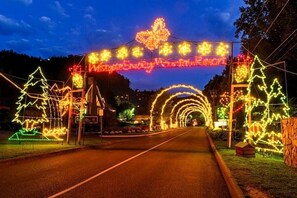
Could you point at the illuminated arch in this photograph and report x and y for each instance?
(178, 103)
(175, 87)
(171, 97)
(184, 108)
(188, 111)
(207, 113)
(185, 113)
(189, 105)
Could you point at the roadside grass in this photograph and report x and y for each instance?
(8, 151)
(260, 174)
(17, 149)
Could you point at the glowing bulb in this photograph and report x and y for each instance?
(122, 53)
(241, 73)
(222, 49)
(93, 58)
(204, 48)
(105, 55)
(165, 49)
(137, 52)
(77, 80)
(184, 48)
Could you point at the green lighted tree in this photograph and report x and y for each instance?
(32, 103)
(268, 106)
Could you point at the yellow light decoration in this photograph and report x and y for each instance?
(77, 80)
(137, 52)
(178, 94)
(241, 73)
(166, 49)
(122, 53)
(55, 132)
(204, 48)
(184, 48)
(179, 86)
(192, 106)
(105, 55)
(64, 100)
(180, 102)
(93, 58)
(37, 111)
(261, 132)
(222, 49)
(154, 37)
(225, 97)
(186, 112)
(40, 103)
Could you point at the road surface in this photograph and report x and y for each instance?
(177, 163)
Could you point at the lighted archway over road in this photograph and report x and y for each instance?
(204, 105)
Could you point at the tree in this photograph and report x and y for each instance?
(32, 103)
(126, 110)
(269, 29)
(269, 106)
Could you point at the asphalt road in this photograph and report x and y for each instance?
(173, 164)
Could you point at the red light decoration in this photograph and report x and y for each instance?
(148, 66)
(75, 69)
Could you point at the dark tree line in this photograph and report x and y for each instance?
(267, 29)
(17, 67)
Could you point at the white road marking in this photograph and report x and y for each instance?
(110, 168)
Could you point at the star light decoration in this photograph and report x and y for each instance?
(165, 49)
(93, 58)
(184, 48)
(222, 49)
(105, 55)
(154, 37)
(122, 53)
(137, 52)
(204, 48)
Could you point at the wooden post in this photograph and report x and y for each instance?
(230, 116)
(69, 117)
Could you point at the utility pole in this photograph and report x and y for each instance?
(69, 117)
(82, 104)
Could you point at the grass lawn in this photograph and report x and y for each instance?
(260, 176)
(14, 149)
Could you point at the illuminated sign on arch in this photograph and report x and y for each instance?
(152, 49)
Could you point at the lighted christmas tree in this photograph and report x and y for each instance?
(268, 107)
(32, 105)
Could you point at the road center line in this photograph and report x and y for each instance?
(114, 166)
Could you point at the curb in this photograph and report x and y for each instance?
(232, 185)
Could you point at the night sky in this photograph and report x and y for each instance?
(47, 28)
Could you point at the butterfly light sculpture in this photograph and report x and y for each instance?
(154, 37)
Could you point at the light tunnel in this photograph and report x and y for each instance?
(192, 106)
(185, 101)
(186, 112)
(198, 98)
